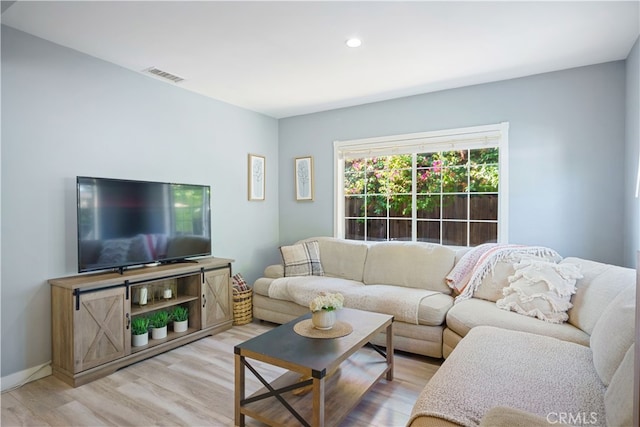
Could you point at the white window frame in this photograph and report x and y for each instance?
(494, 135)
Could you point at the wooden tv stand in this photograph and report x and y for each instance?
(91, 314)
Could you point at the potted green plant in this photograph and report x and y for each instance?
(158, 322)
(180, 317)
(139, 331)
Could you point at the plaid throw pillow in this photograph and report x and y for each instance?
(239, 283)
(302, 259)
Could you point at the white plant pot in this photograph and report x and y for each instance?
(323, 319)
(181, 326)
(159, 333)
(140, 340)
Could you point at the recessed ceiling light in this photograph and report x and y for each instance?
(354, 42)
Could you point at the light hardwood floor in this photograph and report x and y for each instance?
(193, 386)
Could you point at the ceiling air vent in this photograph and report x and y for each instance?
(164, 75)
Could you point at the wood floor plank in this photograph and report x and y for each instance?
(193, 385)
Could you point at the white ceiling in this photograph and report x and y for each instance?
(289, 58)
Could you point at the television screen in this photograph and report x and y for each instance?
(123, 223)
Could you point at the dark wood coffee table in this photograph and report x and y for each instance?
(357, 368)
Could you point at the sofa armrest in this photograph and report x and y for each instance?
(274, 271)
(502, 416)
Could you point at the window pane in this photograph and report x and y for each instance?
(377, 206)
(454, 233)
(428, 180)
(452, 158)
(454, 207)
(483, 232)
(399, 181)
(454, 179)
(484, 156)
(484, 178)
(377, 183)
(354, 176)
(377, 229)
(426, 159)
(428, 231)
(428, 206)
(399, 229)
(484, 206)
(400, 205)
(353, 183)
(353, 206)
(378, 163)
(354, 229)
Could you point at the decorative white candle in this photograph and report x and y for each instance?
(143, 296)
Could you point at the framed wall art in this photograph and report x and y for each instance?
(256, 172)
(304, 178)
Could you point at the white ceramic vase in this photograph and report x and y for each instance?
(159, 333)
(181, 326)
(323, 319)
(139, 340)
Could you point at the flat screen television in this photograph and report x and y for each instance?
(124, 223)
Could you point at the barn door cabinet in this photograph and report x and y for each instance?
(92, 314)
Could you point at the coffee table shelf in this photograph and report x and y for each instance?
(343, 391)
(338, 371)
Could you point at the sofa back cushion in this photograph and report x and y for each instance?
(614, 333)
(409, 264)
(341, 257)
(600, 284)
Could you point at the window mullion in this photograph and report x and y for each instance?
(414, 197)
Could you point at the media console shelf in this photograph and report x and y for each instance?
(92, 314)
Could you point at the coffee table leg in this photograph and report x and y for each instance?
(318, 402)
(239, 374)
(390, 351)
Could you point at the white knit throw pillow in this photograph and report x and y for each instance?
(541, 289)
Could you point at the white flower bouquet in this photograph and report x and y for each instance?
(328, 302)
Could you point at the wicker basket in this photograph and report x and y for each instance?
(242, 307)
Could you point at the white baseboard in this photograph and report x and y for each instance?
(20, 378)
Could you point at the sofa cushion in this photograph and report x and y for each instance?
(618, 400)
(473, 312)
(409, 264)
(431, 311)
(495, 366)
(342, 258)
(614, 333)
(302, 259)
(541, 289)
(598, 287)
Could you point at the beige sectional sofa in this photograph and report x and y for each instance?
(510, 369)
(502, 368)
(404, 279)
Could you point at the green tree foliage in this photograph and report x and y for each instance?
(383, 185)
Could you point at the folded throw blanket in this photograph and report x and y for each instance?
(466, 278)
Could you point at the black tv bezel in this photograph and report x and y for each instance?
(124, 266)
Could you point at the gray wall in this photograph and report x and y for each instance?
(632, 147)
(566, 151)
(67, 114)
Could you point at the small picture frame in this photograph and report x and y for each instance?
(256, 173)
(304, 178)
